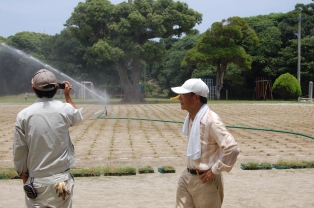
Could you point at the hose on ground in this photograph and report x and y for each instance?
(235, 127)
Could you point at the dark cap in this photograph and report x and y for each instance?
(44, 80)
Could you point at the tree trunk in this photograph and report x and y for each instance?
(131, 82)
(221, 68)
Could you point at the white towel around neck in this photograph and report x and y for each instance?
(194, 145)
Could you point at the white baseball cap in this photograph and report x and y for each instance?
(194, 85)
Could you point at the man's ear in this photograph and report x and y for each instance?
(197, 97)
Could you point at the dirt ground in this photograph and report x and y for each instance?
(150, 137)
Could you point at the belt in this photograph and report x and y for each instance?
(194, 172)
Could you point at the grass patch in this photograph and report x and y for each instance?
(256, 166)
(119, 171)
(86, 172)
(107, 171)
(8, 173)
(250, 166)
(283, 163)
(265, 164)
(298, 164)
(167, 169)
(146, 169)
(309, 164)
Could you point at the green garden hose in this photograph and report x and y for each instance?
(234, 127)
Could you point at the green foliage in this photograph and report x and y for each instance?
(119, 170)
(251, 165)
(107, 51)
(287, 86)
(108, 170)
(168, 167)
(288, 60)
(222, 45)
(103, 41)
(282, 162)
(309, 164)
(265, 164)
(148, 87)
(208, 71)
(2, 39)
(298, 163)
(29, 42)
(77, 59)
(146, 169)
(169, 73)
(64, 52)
(16, 68)
(124, 33)
(265, 54)
(8, 173)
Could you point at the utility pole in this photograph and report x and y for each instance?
(299, 50)
(130, 1)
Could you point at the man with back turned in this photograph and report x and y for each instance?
(42, 148)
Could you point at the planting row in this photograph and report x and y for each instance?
(10, 173)
(281, 164)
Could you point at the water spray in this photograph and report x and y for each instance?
(104, 111)
(58, 72)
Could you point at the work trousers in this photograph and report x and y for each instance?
(193, 193)
(46, 193)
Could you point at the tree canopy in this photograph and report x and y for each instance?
(125, 33)
(109, 45)
(169, 73)
(222, 45)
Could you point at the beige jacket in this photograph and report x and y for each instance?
(42, 146)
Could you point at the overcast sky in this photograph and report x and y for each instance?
(48, 16)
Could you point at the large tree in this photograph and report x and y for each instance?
(265, 55)
(288, 55)
(80, 61)
(29, 42)
(169, 73)
(126, 33)
(221, 45)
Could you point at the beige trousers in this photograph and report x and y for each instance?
(46, 193)
(193, 193)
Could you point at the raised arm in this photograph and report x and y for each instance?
(67, 91)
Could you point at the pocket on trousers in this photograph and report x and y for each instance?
(217, 181)
(37, 185)
(40, 188)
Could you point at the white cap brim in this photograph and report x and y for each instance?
(180, 90)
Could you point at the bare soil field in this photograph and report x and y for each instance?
(149, 138)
